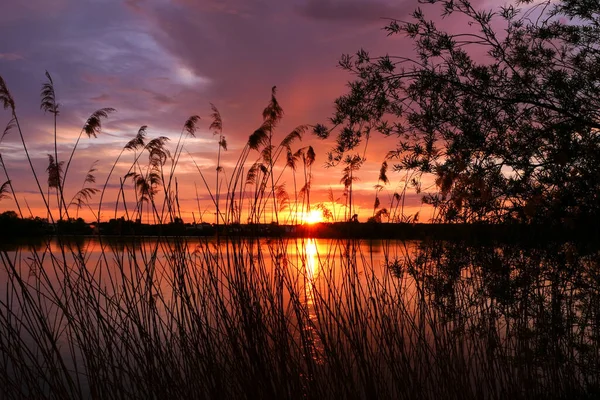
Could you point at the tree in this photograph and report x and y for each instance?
(506, 121)
(9, 215)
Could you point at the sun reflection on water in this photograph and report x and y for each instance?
(312, 258)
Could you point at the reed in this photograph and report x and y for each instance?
(246, 318)
(183, 317)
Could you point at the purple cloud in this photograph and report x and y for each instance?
(158, 62)
(354, 10)
(10, 56)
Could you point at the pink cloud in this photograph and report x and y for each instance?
(159, 62)
(11, 56)
(353, 10)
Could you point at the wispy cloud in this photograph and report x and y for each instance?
(159, 61)
(10, 56)
(365, 11)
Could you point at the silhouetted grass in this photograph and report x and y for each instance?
(253, 319)
(282, 318)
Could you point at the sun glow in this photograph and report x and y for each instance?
(314, 216)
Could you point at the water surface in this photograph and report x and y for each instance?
(299, 318)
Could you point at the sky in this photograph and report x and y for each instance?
(157, 62)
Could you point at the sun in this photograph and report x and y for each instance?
(314, 216)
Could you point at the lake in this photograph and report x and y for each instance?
(298, 318)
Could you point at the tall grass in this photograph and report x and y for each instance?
(283, 318)
(255, 319)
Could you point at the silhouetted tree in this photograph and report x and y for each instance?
(503, 115)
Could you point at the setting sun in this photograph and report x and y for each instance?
(314, 216)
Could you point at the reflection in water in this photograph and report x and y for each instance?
(306, 318)
(312, 263)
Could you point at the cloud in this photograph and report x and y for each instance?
(16, 11)
(352, 10)
(10, 56)
(158, 62)
(101, 98)
(188, 77)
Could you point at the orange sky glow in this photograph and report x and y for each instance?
(157, 63)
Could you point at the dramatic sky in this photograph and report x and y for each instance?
(158, 61)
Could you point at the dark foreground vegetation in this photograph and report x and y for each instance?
(188, 318)
(513, 148)
(501, 112)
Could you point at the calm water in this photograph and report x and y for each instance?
(299, 318)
